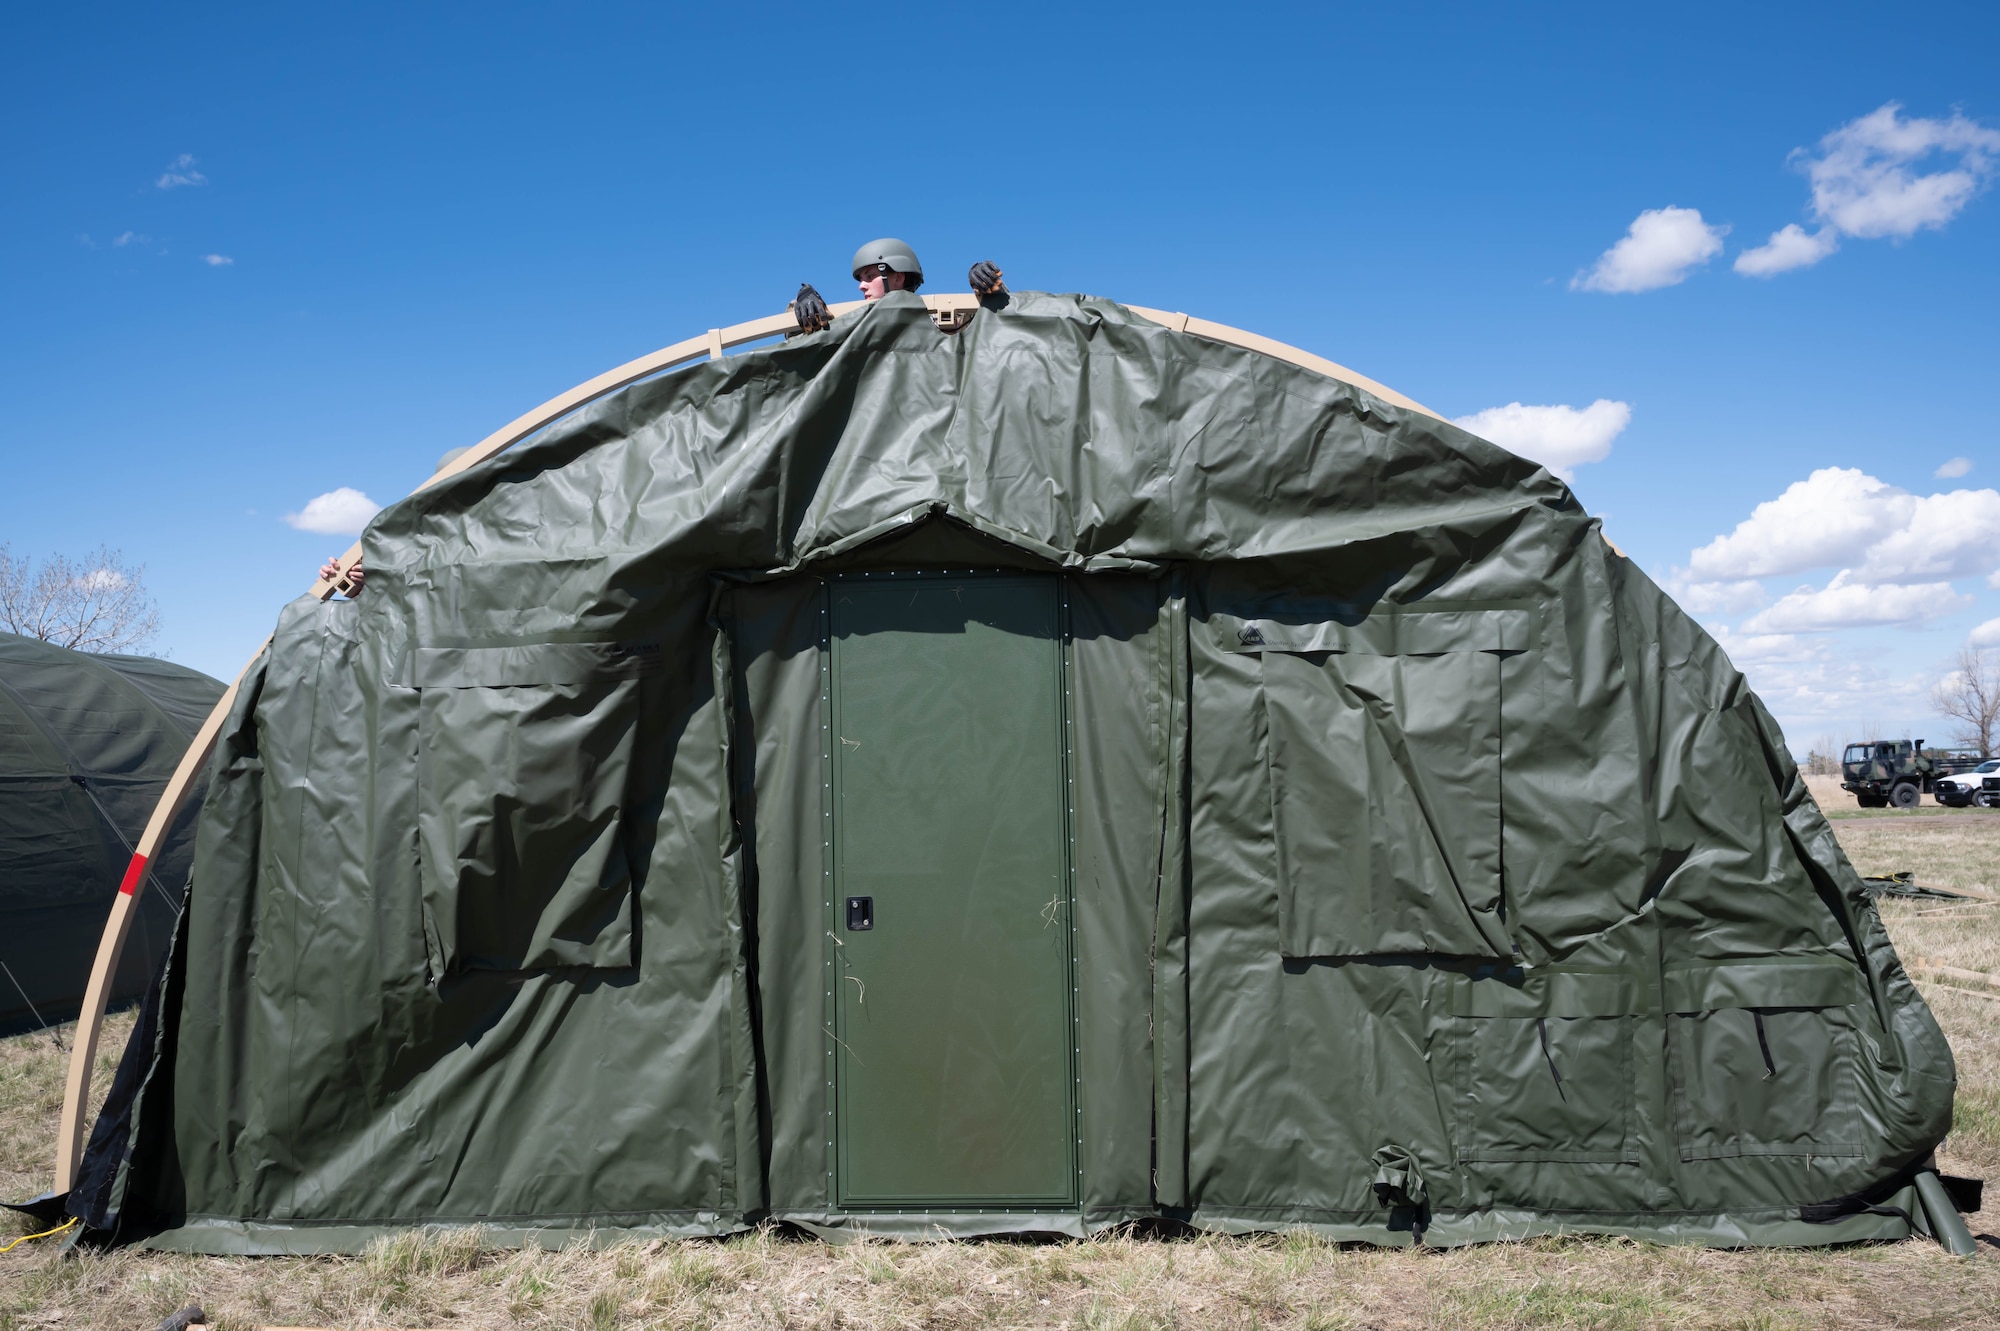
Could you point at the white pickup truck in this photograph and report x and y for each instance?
(1966, 788)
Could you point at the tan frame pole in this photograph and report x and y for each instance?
(949, 311)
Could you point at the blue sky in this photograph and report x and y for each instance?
(255, 255)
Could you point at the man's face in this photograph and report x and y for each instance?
(876, 282)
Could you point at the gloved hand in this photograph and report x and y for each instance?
(985, 277)
(811, 310)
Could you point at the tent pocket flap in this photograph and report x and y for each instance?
(524, 773)
(1764, 1056)
(1549, 992)
(1768, 982)
(1543, 1063)
(1386, 753)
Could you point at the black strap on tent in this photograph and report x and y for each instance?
(1966, 1196)
(1542, 1026)
(1764, 1044)
(1825, 1213)
(1869, 1201)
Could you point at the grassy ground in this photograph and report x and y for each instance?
(1119, 1281)
(1114, 1282)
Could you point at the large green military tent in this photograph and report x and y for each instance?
(1065, 772)
(87, 742)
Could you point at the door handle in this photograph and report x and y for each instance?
(860, 914)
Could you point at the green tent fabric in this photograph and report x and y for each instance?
(87, 742)
(1057, 774)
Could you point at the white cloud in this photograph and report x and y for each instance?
(1720, 598)
(1841, 517)
(1950, 535)
(1813, 697)
(180, 172)
(1986, 635)
(1863, 182)
(1848, 603)
(342, 512)
(1659, 250)
(1868, 181)
(1793, 247)
(1811, 685)
(1953, 469)
(1560, 438)
(130, 238)
(1823, 520)
(1754, 649)
(217, 260)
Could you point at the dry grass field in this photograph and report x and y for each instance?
(779, 1280)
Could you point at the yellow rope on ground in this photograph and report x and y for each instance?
(69, 1223)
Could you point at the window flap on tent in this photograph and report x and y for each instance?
(525, 770)
(1386, 768)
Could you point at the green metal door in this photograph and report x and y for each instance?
(954, 1068)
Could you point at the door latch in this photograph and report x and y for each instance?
(860, 913)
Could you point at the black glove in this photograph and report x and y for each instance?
(811, 310)
(985, 277)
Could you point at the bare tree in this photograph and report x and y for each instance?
(97, 604)
(1970, 695)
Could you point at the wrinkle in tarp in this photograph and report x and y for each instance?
(1433, 875)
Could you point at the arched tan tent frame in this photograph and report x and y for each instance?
(950, 312)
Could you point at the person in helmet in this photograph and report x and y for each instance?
(882, 266)
(886, 265)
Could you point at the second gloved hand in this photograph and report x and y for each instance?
(985, 277)
(811, 310)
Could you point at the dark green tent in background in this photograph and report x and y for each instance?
(1066, 772)
(87, 742)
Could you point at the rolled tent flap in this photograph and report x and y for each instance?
(1061, 772)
